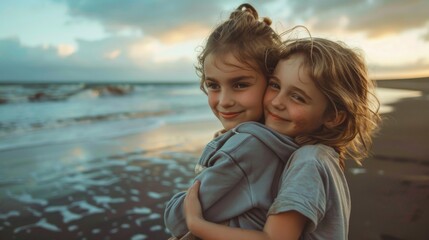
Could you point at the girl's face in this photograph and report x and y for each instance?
(293, 104)
(235, 91)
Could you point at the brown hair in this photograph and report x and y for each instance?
(341, 74)
(251, 41)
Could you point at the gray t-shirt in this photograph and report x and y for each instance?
(313, 184)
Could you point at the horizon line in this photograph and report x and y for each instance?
(146, 82)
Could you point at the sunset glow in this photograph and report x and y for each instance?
(152, 41)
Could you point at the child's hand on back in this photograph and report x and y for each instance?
(219, 133)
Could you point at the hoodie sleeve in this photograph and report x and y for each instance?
(221, 188)
(217, 181)
(174, 217)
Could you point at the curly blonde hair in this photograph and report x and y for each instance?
(248, 38)
(341, 74)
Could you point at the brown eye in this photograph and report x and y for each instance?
(211, 85)
(297, 97)
(241, 85)
(273, 84)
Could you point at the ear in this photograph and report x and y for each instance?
(335, 119)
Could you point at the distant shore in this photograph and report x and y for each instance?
(189, 82)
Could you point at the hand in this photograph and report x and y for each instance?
(192, 205)
(220, 132)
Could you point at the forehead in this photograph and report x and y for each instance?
(293, 73)
(227, 61)
(293, 67)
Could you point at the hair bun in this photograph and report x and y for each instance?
(246, 7)
(267, 21)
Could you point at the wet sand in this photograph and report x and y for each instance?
(113, 189)
(390, 193)
(117, 188)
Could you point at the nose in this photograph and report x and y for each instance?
(277, 102)
(226, 99)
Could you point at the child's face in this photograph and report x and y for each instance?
(293, 104)
(235, 91)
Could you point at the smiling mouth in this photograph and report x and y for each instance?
(229, 115)
(276, 117)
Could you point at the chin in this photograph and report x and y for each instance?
(229, 126)
(277, 128)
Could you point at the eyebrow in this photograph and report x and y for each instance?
(294, 88)
(234, 79)
(273, 77)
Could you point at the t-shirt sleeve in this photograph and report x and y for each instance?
(302, 189)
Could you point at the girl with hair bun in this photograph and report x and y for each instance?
(240, 169)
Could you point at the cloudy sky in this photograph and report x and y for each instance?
(158, 40)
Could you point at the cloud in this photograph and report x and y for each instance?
(87, 63)
(425, 36)
(18, 62)
(416, 68)
(375, 18)
(185, 32)
(65, 50)
(391, 17)
(112, 54)
(152, 17)
(156, 40)
(164, 19)
(151, 51)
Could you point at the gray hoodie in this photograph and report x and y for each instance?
(239, 173)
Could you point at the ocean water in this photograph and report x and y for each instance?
(41, 114)
(64, 175)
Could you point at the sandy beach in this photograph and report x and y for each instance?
(117, 188)
(119, 194)
(390, 192)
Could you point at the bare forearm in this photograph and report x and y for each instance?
(212, 231)
(284, 226)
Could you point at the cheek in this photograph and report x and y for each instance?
(305, 120)
(268, 97)
(299, 117)
(252, 99)
(253, 107)
(212, 100)
(260, 92)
